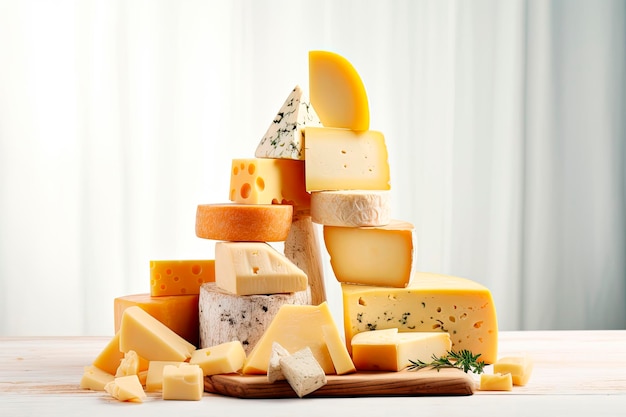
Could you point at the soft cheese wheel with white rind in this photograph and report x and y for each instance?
(337, 91)
(225, 317)
(351, 208)
(283, 138)
(244, 222)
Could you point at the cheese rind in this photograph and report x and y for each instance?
(432, 302)
(180, 277)
(519, 366)
(224, 358)
(337, 91)
(183, 382)
(340, 159)
(351, 208)
(283, 138)
(269, 181)
(303, 372)
(388, 350)
(496, 382)
(247, 268)
(381, 255)
(244, 222)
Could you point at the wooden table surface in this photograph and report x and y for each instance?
(577, 373)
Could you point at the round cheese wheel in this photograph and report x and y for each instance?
(244, 222)
(351, 208)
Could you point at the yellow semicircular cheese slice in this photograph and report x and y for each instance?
(337, 92)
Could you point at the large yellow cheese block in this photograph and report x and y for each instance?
(294, 327)
(180, 277)
(337, 91)
(178, 312)
(247, 268)
(432, 302)
(340, 159)
(381, 255)
(244, 222)
(269, 181)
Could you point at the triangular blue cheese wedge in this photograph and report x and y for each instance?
(283, 138)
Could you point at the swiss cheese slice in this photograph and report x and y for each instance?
(284, 137)
(247, 268)
(432, 302)
(337, 91)
(341, 159)
(351, 208)
(180, 277)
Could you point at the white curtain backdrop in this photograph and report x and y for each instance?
(504, 120)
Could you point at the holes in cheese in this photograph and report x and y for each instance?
(341, 159)
(381, 255)
(416, 309)
(337, 91)
(247, 268)
(351, 208)
(268, 181)
(283, 138)
(182, 277)
(244, 222)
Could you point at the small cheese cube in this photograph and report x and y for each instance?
(129, 364)
(519, 366)
(303, 372)
(126, 388)
(496, 382)
(224, 358)
(95, 378)
(154, 378)
(184, 382)
(274, 373)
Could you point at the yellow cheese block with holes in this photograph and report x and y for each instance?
(294, 327)
(519, 366)
(180, 277)
(381, 255)
(183, 382)
(337, 91)
(388, 350)
(224, 358)
(431, 302)
(269, 181)
(340, 159)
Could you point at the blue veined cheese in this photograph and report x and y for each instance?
(284, 137)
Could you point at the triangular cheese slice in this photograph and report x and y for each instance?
(126, 388)
(284, 137)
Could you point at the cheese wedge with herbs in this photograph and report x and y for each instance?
(284, 137)
(432, 302)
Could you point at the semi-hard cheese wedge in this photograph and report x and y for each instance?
(337, 348)
(337, 91)
(126, 388)
(247, 268)
(432, 302)
(341, 159)
(111, 356)
(294, 327)
(283, 138)
(496, 382)
(177, 312)
(351, 208)
(224, 358)
(388, 350)
(180, 277)
(269, 181)
(150, 338)
(95, 378)
(225, 316)
(183, 382)
(244, 222)
(381, 255)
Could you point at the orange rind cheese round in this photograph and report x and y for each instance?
(244, 222)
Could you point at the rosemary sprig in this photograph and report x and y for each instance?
(464, 360)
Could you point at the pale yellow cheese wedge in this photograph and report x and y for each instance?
(184, 382)
(224, 358)
(126, 388)
(337, 348)
(110, 357)
(154, 377)
(496, 382)
(519, 366)
(95, 378)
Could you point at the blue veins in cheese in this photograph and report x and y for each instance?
(284, 137)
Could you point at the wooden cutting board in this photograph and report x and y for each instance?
(360, 384)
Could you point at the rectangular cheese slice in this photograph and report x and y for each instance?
(247, 268)
(432, 302)
(342, 159)
(380, 255)
(180, 277)
(388, 350)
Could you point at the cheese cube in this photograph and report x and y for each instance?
(340, 159)
(154, 378)
(351, 208)
(126, 388)
(496, 382)
(224, 358)
(381, 256)
(519, 366)
(432, 302)
(184, 382)
(246, 268)
(274, 372)
(303, 372)
(388, 350)
(181, 277)
(95, 378)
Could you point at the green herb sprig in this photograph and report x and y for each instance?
(464, 360)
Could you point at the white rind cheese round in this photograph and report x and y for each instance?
(225, 317)
(351, 208)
